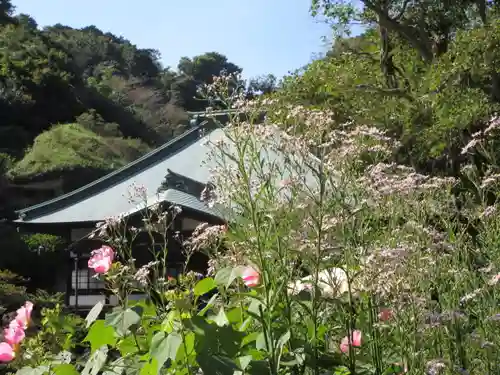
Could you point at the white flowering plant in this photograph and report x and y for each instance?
(337, 260)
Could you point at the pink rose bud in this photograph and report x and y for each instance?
(14, 334)
(102, 259)
(250, 277)
(385, 314)
(7, 352)
(24, 315)
(355, 341)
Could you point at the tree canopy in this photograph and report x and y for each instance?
(423, 70)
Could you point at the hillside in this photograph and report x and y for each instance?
(68, 146)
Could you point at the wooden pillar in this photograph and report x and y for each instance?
(69, 277)
(177, 227)
(75, 257)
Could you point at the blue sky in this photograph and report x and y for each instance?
(261, 36)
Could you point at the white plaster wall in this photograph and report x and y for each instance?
(92, 299)
(86, 301)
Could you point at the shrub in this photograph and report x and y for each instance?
(337, 261)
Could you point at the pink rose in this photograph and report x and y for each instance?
(385, 314)
(7, 352)
(250, 277)
(24, 315)
(355, 341)
(14, 334)
(101, 259)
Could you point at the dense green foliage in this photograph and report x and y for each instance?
(425, 71)
(71, 145)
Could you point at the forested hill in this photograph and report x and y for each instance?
(72, 98)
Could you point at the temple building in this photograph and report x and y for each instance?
(172, 173)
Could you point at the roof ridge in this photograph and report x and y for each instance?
(114, 177)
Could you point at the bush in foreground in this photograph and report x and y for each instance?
(337, 261)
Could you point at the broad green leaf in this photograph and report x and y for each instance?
(94, 313)
(209, 305)
(235, 315)
(261, 343)
(258, 368)
(65, 369)
(199, 326)
(244, 361)
(249, 338)
(243, 326)
(220, 319)
(227, 275)
(187, 347)
(128, 345)
(223, 275)
(204, 286)
(254, 307)
(96, 361)
(164, 347)
(100, 334)
(216, 364)
(284, 339)
(150, 368)
(122, 320)
(171, 322)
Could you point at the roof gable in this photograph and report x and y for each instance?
(107, 196)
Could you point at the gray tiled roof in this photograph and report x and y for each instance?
(182, 199)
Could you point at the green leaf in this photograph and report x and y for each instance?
(249, 338)
(128, 345)
(122, 320)
(96, 361)
(220, 319)
(261, 343)
(150, 368)
(94, 313)
(227, 275)
(209, 305)
(284, 339)
(244, 361)
(258, 368)
(223, 276)
(235, 315)
(187, 347)
(164, 347)
(204, 286)
(99, 335)
(215, 364)
(254, 308)
(65, 369)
